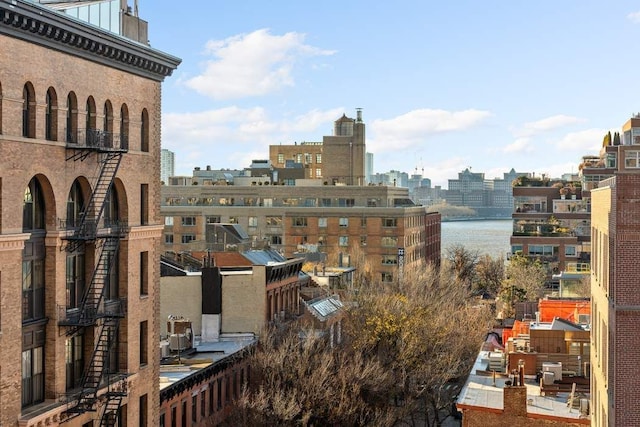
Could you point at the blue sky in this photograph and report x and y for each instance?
(443, 85)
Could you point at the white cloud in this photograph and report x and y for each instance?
(520, 145)
(232, 137)
(252, 64)
(587, 141)
(414, 127)
(634, 17)
(546, 124)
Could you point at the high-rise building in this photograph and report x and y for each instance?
(615, 279)
(79, 140)
(368, 167)
(167, 165)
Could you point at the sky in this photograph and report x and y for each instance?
(443, 85)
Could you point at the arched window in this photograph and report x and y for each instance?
(28, 111)
(90, 122)
(33, 208)
(51, 116)
(111, 208)
(75, 205)
(144, 131)
(72, 118)
(124, 126)
(107, 125)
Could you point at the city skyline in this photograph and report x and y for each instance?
(443, 86)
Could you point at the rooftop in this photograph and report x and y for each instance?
(482, 392)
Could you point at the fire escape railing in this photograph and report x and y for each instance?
(95, 310)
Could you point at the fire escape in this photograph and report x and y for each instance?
(95, 311)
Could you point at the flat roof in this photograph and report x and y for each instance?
(479, 391)
(206, 354)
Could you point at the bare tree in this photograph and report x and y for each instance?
(462, 262)
(489, 275)
(524, 281)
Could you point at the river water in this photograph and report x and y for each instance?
(484, 236)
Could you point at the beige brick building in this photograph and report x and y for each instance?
(338, 159)
(615, 280)
(379, 222)
(80, 222)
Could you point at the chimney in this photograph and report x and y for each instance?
(515, 400)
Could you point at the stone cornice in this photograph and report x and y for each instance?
(54, 30)
(13, 242)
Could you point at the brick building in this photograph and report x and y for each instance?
(615, 272)
(80, 222)
(338, 159)
(381, 222)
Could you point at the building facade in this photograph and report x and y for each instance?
(615, 222)
(338, 159)
(80, 221)
(378, 222)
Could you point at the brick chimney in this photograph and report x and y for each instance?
(515, 400)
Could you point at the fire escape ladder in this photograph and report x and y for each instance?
(90, 217)
(111, 411)
(94, 371)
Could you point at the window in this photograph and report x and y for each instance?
(112, 208)
(233, 220)
(144, 273)
(203, 401)
(32, 376)
(363, 240)
(372, 203)
(112, 279)
(363, 221)
(343, 240)
(144, 204)
(75, 205)
(215, 219)
(168, 220)
(253, 221)
(322, 222)
(570, 251)
(274, 221)
(344, 222)
(390, 222)
(211, 407)
(219, 390)
(168, 239)
(107, 124)
(390, 259)
(33, 208)
(72, 118)
(184, 413)
(162, 422)
(298, 158)
(144, 131)
(632, 159)
(51, 115)
(75, 280)
(90, 123)
(280, 158)
(300, 221)
(386, 277)
(188, 221)
(124, 126)
(346, 202)
(194, 408)
(389, 241)
(28, 111)
(143, 342)
(188, 238)
(308, 158)
(275, 240)
(74, 361)
(174, 416)
(319, 158)
(33, 280)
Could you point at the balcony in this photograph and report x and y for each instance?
(98, 139)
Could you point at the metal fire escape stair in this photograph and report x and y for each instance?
(94, 310)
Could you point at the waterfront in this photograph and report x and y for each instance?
(484, 236)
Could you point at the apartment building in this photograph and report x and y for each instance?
(615, 273)
(551, 223)
(80, 223)
(380, 222)
(337, 159)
